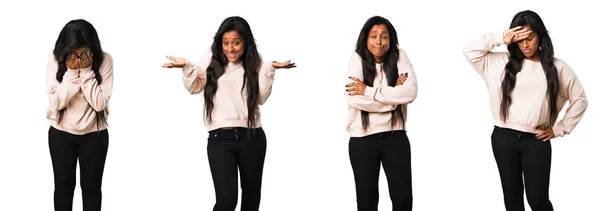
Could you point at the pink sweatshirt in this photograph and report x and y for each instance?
(529, 107)
(379, 100)
(230, 109)
(80, 95)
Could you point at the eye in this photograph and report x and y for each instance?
(236, 43)
(373, 37)
(225, 43)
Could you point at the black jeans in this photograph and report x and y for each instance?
(392, 149)
(229, 150)
(65, 149)
(519, 156)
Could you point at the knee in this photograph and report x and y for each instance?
(226, 201)
(64, 183)
(367, 193)
(90, 187)
(539, 203)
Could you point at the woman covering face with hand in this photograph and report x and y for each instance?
(380, 84)
(527, 88)
(79, 82)
(234, 80)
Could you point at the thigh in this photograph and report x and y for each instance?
(252, 158)
(223, 161)
(536, 161)
(93, 148)
(64, 156)
(365, 159)
(396, 160)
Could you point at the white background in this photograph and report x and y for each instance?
(157, 155)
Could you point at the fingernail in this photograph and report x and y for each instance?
(348, 93)
(346, 86)
(349, 76)
(346, 89)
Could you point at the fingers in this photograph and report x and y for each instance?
(356, 92)
(402, 81)
(168, 65)
(86, 60)
(353, 84)
(77, 63)
(542, 136)
(522, 35)
(546, 134)
(355, 88)
(171, 58)
(516, 28)
(286, 64)
(355, 79)
(176, 62)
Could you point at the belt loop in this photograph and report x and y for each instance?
(237, 138)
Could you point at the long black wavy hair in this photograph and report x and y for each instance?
(77, 34)
(250, 61)
(390, 63)
(546, 53)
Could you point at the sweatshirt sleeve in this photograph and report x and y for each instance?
(194, 74)
(479, 56)
(61, 93)
(97, 95)
(266, 76)
(571, 89)
(366, 102)
(403, 94)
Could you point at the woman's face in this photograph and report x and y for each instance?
(378, 42)
(530, 45)
(233, 46)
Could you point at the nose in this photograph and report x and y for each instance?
(378, 40)
(526, 43)
(229, 47)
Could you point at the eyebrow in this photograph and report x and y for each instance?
(386, 32)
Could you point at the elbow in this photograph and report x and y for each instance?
(58, 107)
(412, 97)
(56, 104)
(261, 100)
(192, 90)
(99, 107)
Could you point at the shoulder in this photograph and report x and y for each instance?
(563, 69)
(355, 58)
(559, 63)
(402, 55)
(107, 58)
(51, 57)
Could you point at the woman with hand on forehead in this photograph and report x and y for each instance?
(527, 88)
(380, 84)
(79, 80)
(235, 81)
